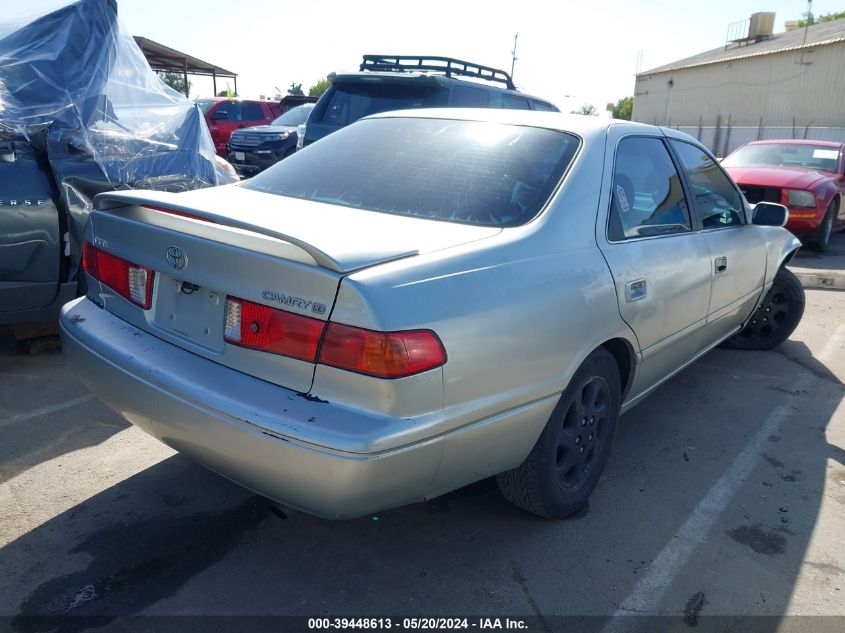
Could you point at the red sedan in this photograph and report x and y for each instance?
(806, 176)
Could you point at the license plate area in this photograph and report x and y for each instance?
(240, 156)
(190, 311)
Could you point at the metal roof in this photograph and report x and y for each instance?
(161, 57)
(817, 35)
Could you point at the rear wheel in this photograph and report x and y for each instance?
(821, 237)
(776, 318)
(565, 464)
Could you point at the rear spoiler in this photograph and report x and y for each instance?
(163, 201)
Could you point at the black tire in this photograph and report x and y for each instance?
(565, 464)
(776, 318)
(821, 236)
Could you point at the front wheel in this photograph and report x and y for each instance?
(565, 464)
(821, 237)
(776, 318)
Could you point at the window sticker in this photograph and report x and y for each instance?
(622, 198)
(826, 153)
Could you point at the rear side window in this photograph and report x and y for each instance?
(349, 102)
(716, 201)
(647, 197)
(460, 171)
(232, 110)
(543, 106)
(251, 111)
(470, 97)
(514, 103)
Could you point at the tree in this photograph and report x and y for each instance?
(318, 88)
(296, 90)
(587, 109)
(623, 108)
(228, 92)
(810, 19)
(175, 81)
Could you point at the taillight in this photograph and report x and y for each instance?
(271, 330)
(129, 280)
(381, 354)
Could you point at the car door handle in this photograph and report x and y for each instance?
(635, 290)
(721, 264)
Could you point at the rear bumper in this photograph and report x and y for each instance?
(229, 421)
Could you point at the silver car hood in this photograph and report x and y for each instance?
(339, 238)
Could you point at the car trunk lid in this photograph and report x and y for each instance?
(205, 246)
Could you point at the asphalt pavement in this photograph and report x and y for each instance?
(724, 495)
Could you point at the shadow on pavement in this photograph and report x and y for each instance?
(176, 539)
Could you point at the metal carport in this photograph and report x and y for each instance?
(164, 58)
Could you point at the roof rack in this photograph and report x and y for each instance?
(446, 65)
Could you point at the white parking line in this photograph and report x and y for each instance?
(67, 404)
(652, 585)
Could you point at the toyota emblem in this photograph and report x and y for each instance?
(177, 258)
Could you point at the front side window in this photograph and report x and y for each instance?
(716, 200)
(647, 197)
(469, 172)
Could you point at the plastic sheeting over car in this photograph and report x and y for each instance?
(80, 104)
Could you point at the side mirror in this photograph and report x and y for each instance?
(770, 214)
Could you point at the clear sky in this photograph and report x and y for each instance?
(568, 52)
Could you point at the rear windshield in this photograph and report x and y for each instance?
(460, 171)
(351, 101)
(821, 157)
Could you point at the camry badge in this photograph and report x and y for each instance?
(177, 258)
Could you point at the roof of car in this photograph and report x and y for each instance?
(581, 125)
(410, 75)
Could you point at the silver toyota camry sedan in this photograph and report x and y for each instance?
(425, 299)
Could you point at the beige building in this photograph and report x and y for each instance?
(785, 85)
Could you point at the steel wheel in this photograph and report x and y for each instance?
(565, 464)
(582, 433)
(769, 317)
(776, 318)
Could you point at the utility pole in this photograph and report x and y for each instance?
(807, 20)
(513, 54)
